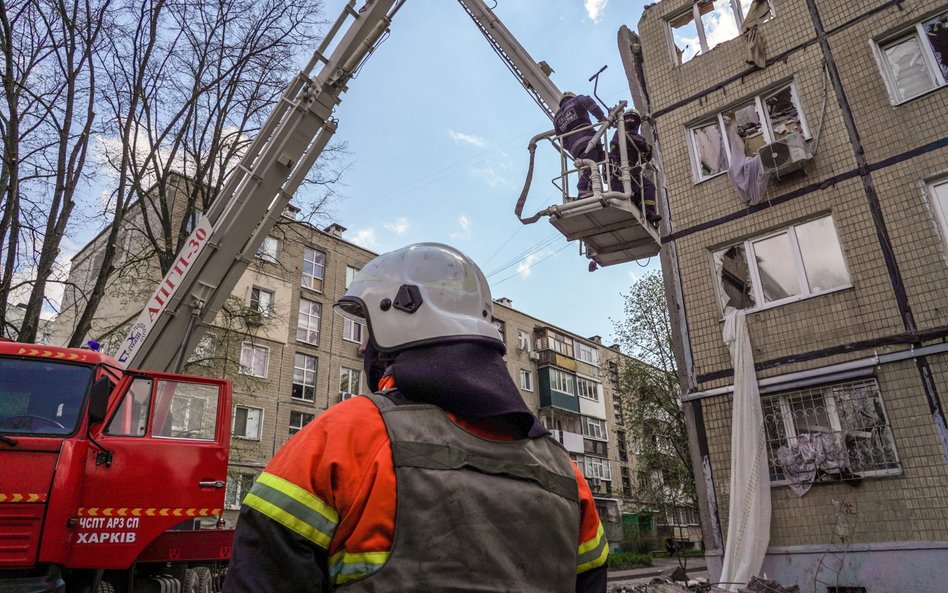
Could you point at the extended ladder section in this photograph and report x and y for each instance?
(535, 77)
(254, 197)
(611, 222)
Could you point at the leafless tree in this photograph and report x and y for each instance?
(187, 84)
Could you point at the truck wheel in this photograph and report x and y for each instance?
(104, 587)
(197, 580)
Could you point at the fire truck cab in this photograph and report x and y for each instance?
(82, 439)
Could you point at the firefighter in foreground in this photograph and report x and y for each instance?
(443, 480)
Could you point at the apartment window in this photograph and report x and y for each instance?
(304, 377)
(268, 249)
(247, 422)
(613, 368)
(587, 353)
(350, 381)
(254, 360)
(798, 262)
(597, 468)
(830, 431)
(298, 420)
(193, 410)
(758, 121)
(526, 380)
(562, 382)
(314, 269)
(238, 485)
(588, 389)
(559, 343)
(261, 301)
(916, 61)
(594, 428)
(708, 23)
(352, 330)
(350, 275)
(523, 341)
(307, 326)
(939, 193)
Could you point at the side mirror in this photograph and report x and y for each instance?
(99, 400)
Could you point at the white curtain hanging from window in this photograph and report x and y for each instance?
(748, 531)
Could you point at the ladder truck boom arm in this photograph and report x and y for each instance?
(259, 189)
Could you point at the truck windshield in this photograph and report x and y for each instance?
(41, 397)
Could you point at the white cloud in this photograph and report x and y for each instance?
(366, 238)
(525, 267)
(399, 226)
(468, 138)
(594, 9)
(465, 233)
(495, 170)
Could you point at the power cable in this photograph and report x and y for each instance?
(530, 267)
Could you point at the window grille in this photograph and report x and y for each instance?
(830, 432)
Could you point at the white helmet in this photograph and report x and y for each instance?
(421, 294)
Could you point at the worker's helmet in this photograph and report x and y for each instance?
(567, 95)
(421, 294)
(633, 115)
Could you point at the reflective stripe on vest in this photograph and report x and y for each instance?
(294, 508)
(345, 567)
(503, 515)
(593, 553)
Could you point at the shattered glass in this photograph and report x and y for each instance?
(685, 34)
(936, 30)
(907, 65)
(718, 21)
(712, 159)
(783, 114)
(822, 256)
(736, 280)
(749, 127)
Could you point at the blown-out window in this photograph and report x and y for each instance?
(757, 121)
(797, 262)
(707, 23)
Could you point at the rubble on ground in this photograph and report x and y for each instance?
(676, 581)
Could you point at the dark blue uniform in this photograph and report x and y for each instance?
(638, 151)
(574, 114)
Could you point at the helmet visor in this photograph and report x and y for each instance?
(351, 308)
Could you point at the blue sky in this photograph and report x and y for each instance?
(437, 130)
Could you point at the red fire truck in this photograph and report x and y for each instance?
(103, 469)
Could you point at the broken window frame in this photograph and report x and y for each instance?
(916, 32)
(737, 10)
(757, 293)
(834, 397)
(938, 190)
(759, 102)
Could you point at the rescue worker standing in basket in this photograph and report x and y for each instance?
(573, 114)
(442, 481)
(639, 152)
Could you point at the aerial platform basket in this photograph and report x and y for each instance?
(609, 223)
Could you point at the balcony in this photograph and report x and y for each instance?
(571, 440)
(593, 447)
(548, 357)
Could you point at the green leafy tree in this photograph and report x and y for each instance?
(649, 395)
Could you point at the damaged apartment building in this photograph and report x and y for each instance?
(803, 151)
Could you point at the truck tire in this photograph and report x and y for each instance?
(197, 580)
(104, 587)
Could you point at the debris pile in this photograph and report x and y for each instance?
(672, 582)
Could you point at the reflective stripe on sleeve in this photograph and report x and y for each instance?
(593, 553)
(294, 508)
(345, 566)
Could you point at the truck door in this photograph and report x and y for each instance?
(164, 464)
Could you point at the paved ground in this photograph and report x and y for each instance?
(696, 568)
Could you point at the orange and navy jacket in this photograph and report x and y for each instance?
(323, 511)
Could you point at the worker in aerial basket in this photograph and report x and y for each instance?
(442, 480)
(572, 118)
(638, 152)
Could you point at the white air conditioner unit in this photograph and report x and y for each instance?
(344, 395)
(534, 356)
(784, 156)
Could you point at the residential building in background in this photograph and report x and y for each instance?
(841, 264)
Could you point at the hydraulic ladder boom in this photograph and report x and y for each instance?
(257, 192)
